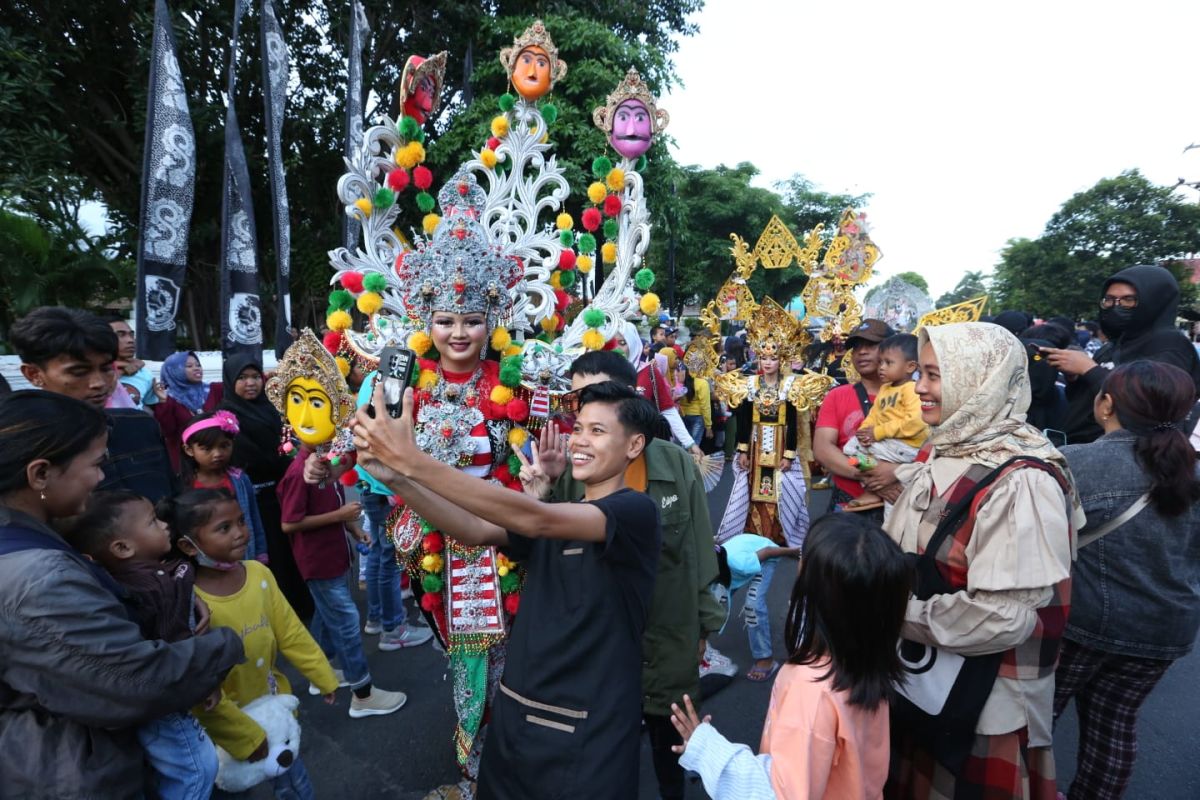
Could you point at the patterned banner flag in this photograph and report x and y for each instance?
(354, 110)
(241, 322)
(275, 79)
(168, 188)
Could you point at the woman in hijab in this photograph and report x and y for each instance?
(182, 394)
(995, 584)
(256, 450)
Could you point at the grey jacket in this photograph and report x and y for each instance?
(1135, 592)
(76, 677)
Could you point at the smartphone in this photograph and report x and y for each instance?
(396, 365)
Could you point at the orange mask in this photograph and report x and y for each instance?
(531, 73)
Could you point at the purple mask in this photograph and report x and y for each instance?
(632, 129)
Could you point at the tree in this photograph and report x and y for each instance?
(1117, 223)
(970, 286)
(914, 279)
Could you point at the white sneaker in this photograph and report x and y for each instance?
(341, 679)
(378, 702)
(404, 636)
(372, 628)
(716, 663)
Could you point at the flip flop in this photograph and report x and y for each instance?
(760, 675)
(852, 507)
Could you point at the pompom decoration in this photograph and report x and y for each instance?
(587, 242)
(363, 205)
(566, 238)
(369, 302)
(502, 473)
(500, 127)
(593, 318)
(512, 603)
(509, 584)
(517, 438)
(641, 164)
(514, 466)
(419, 137)
(433, 543)
(609, 253)
(422, 178)
(566, 260)
(518, 410)
(506, 102)
(510, 371)
(341, 300)
(348, 478)
(649, 304)
(432, 562)
(550, 113)
(343, 365)
(351, 281)
(512, 350)
(425, 202)
(375, 282)
(561, 300)
(584, 264)
(601, 166)
(432, 584)
(564, 222)
(427, 380)
(593, 340)
(339, 321)
(429, 223)
(566, 279)
(410, 155)
(615, 179)
(493, 143)
(385, 197)
(500, 395)
(487, 157)
(643, 279)
(591, 219)
(555, 281)
(397, 180)
(611, 229)
(420, 342)
(612, 205)
(550, 324)
(409, 127)
(596, 192)
(501, 339)
(332, 341)
(431, 601)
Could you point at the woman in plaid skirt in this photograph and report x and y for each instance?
(1005, 565)
(1136, 603)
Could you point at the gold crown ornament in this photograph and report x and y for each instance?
(772, 331)
(631, 88)
(535, 35)
(308, 358)
(700, 356)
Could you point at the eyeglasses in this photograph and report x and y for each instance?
(1127, 301)
(568, 403)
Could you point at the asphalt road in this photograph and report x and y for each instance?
(403, 756)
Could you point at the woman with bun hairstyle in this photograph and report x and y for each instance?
(1136, 601)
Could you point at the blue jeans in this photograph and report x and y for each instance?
(335, 626)
(758, 616)
(384, 601)
(183, 757)
(695, 427)
(291, 785)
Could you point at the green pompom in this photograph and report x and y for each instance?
(545, 336)
(409, 127)
(419, 136)
(374, 282)
(550, 113)
(601, 166)
(341, 300)
(432, 584)
(330, 310)
(506, 102)
(593, 318)
(510, 583)
(611, 229)
(640, 165)
(644, 279)
(426, 527)
(514, 464)
(384, 198)
(425, 202)
(566, 238)
(587, 243)
(566, 278)
(510, 377)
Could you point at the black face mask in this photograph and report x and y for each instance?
(1115, 321)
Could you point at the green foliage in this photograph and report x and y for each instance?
(970, 286)
(1117, 223)
(914, 279)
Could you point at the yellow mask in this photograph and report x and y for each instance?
(310, 412)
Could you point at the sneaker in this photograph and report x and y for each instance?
(716, 663)
(378, 702)
(404, 636)
(373, 627)
(341, 679)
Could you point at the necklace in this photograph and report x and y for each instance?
(446, 418)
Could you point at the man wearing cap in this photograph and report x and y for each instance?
(844, 410)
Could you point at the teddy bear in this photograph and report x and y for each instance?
(275, 714)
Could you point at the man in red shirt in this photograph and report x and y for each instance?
(844, 410)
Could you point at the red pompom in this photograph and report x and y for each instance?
(518, 410)
(352, 281)
(591, 219)
(561, 299)
(332, 341)
(493, 143)
(512, 603)
(502, 473)
(397, 180)
(612, 205)
(611, 344)
(432, 543)
(349, 478)
(566, 260)
(422, 177)
(515, 485)
(431, 601)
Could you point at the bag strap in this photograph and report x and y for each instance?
(864, 400)
(1115, 522)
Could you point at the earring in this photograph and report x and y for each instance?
(43, 494)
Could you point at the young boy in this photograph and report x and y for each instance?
(894, 430)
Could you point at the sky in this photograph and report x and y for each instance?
(969, 123)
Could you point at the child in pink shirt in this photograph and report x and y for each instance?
(826, 732)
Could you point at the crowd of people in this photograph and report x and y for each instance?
(1013, 499)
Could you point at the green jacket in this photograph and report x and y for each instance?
(683, 609)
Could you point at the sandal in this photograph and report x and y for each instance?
(855, 505)
(760, 674)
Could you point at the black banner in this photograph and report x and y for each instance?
(275, 79)
(354, 110)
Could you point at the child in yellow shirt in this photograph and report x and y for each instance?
(894, 430)
(207, 525)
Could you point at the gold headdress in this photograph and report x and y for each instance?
(308, 358)
(535, 35)
(700, 357)
(772, 331)
(632, 88)
(418, 67)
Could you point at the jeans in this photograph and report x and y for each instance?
(695, 427)
(384, 602)
(335, 626)
(291, 785)
(758, 616)
(183, 757)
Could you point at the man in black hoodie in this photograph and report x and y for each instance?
(1137, 313)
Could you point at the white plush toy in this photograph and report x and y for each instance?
(275, 713)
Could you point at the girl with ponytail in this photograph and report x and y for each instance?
(1136, 594)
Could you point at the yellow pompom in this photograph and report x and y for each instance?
(420, 343)
(369, 302)
(584, 264)
(427, 379)
(500, 127)
(593, 339)
(500, 395)
(616, 179)
(597, 193)
(429, 223)
(545, 138)
(517, 437)
(564, 222)
(410, 155)
(556, 279)
(487, 156)
(649, 304)
(609, 253)
(501, 570)
(339, 321)
(501, 339)
(550, 323)
(432, 562)
(511, 350)
(343, 365)
(364, 205)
